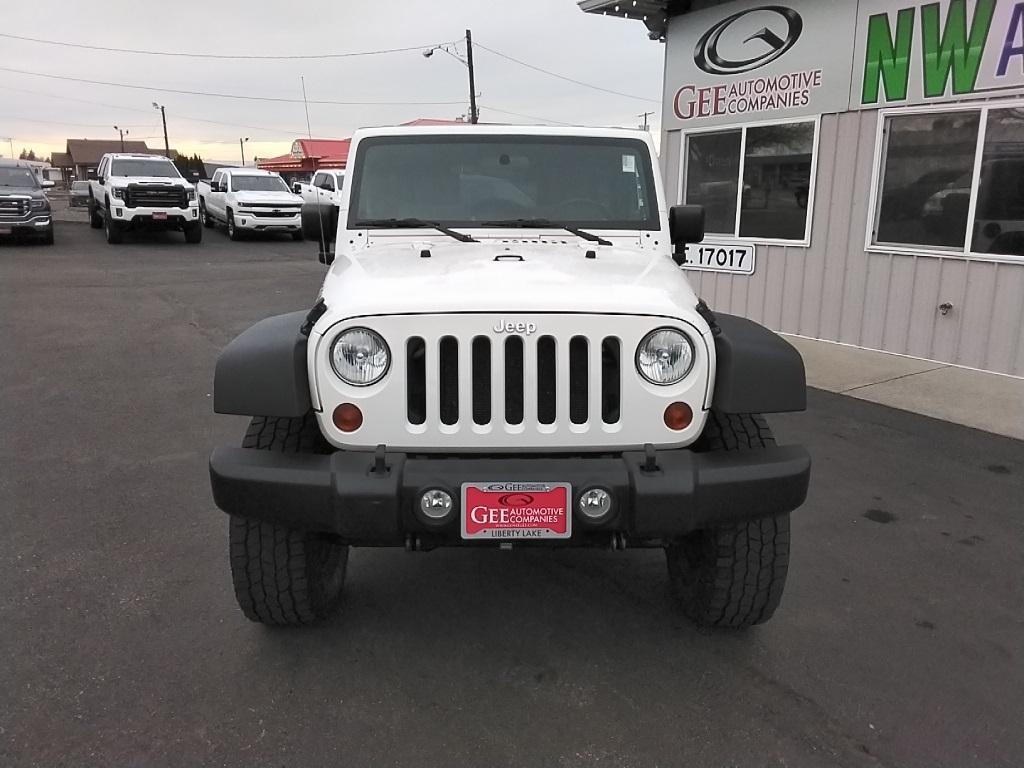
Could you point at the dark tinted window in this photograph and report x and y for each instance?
(469, 180)
(712, 172)
(17, 177)
(925, 181)
(140, 167)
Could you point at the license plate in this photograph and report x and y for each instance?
(159, 216)
(6, 230)
(516, 511)
(735, 258)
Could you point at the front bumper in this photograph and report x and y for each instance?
(143, 217)
(369, 500)
(255, 222)
(34, 224)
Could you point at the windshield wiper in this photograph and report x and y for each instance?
(462, 237)
(540, 223)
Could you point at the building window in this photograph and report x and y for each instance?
(776, 164)
(952, 181)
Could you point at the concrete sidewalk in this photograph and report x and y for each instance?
(988, 401)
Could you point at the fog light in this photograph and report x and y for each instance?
(678, 416)
(347, 417)
(595, 503)
(436, 505)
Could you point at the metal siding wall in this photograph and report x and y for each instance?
(836, 291)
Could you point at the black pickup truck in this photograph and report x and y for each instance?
(24, 207)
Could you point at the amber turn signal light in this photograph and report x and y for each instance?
(347, 417)
(678, 416)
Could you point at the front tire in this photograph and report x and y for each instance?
(285, 576)
(193, 233)
(95, 220)
(297, 236)
(234, 233)
(47, 238)
(207, 219)
(111, 229)
(732, 575)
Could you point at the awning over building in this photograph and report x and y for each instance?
(653, 13)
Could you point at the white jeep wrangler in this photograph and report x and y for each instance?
(505, 353)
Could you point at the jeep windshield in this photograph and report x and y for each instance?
(467, 180)
(17, 177)
(160, 168)
(258, 184)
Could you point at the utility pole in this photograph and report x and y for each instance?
(644, 116)
(241, 146)
(122, 132)
(163, 116)
(473, 115)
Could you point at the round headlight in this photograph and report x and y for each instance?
(664, 356)
(360, 357)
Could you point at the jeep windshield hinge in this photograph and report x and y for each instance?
(380, 464)
(314, 314)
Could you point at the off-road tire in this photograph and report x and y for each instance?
(205, 216)
(111, 229)
(193, 233)
(95, 220)
(47, 239)
(285, 576)
(732, 575)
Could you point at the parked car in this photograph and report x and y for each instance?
(250, 200)
(325, 187)
(518, 360)
(24, 207)
(137, 191)
(79, 196)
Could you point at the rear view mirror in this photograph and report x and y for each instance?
(686, 224)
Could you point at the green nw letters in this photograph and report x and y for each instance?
(950, 53)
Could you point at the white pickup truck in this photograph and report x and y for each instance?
(324, 187)
(137, 191)
(250, 200)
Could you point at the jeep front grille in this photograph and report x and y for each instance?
(516, 378)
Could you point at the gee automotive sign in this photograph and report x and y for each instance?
(912, 53)
(748, 61)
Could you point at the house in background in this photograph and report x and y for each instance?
(83, 155)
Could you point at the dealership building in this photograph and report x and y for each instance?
(861, 163)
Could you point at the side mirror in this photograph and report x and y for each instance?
(47, 184)
(100, 181)
(297, 188)
(686, 224)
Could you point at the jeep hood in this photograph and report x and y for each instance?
(502, 276)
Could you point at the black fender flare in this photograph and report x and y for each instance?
(262, 372)
(757, 371)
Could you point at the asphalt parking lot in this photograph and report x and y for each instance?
(898, 643)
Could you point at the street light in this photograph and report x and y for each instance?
(241, 146)
(122, 132)
(163, 116)
(468, 61)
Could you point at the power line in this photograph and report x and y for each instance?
(246, 56)
(563, 77)
(527, 117)
(232, 95)
(63, 122)
(177, 116)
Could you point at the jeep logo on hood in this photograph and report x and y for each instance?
(756, 37)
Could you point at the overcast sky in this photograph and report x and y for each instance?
(551, 34)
